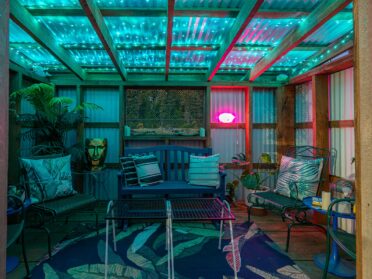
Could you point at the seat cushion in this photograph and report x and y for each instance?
(170, 187)
(65, 204)
(277, 200)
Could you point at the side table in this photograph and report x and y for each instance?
(95, 180)
(337, 266)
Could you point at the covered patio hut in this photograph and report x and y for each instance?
(245, 79)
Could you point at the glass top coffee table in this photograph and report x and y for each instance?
(169, 210)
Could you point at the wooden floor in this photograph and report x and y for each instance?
(305, 242)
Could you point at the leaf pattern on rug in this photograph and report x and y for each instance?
(262, 273)
(97, 271)
(229, 256)
(292, 271)
(180, 248)
(114, 258)
(142, 237)
(140, 261)
(252, 231)
(49, 272)
(130, 230)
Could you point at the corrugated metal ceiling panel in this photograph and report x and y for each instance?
(293, 57)
(330, 31)
(307, 5)
(70, 29)
(209, 3)
(192, 58)
(200, 30)
(243, 58)
(262, 31)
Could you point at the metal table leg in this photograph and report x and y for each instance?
(232, 241)
(107, 236)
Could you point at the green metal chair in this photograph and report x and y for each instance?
(341, 238)
(49, 210)
(292, 209)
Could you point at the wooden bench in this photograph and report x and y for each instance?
(173, 162)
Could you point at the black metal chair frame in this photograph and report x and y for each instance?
(44, 210)
(293, 209)
(331, 235)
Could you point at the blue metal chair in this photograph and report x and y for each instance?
(341, 238)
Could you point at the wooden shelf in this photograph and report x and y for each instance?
(143, 138)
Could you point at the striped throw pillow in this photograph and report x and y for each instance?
(204, 170)
(148, 170)
(130, 172)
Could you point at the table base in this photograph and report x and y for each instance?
(11, 263)
(341, 267)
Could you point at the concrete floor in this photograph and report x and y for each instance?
(305, 241)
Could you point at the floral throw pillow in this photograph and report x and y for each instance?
(48, 178)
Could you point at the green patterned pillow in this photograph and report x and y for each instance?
(49, 178)
(307, 174)
(284, 177)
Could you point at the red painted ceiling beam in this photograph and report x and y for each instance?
(244, 17)
(313, 22)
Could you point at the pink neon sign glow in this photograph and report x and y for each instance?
(226, 117)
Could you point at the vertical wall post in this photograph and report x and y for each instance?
(207, 106)
(122, 115)
(248, 94)
(320, 116)
(15, 83)
(4, 106)
(285, 104)
(363, 135)
(79, 182)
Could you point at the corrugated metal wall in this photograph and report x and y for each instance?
(341, 98)
(227, 100)
(303, 113)
(263, 111)
(227, 142)
(303, 103)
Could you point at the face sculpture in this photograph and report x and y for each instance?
(95, 151)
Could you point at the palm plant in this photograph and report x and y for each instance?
(53, 116)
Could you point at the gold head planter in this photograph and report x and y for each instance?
(95, 152)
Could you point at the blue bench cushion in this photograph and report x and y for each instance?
(170, 187)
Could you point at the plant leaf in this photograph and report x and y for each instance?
(49, 272)
(130, 230)
(97, 271)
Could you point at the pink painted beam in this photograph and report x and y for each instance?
(313, 22)
(169, 37)
(246, 14)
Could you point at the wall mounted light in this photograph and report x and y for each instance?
(226, 117)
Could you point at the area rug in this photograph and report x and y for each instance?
(141, 254)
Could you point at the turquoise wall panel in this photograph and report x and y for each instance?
(108, 99)
(304, 136)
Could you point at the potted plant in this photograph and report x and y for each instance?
(250, 179)
(53, 117)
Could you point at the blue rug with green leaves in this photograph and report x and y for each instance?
(141, 254)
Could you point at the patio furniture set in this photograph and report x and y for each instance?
(205, 202)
